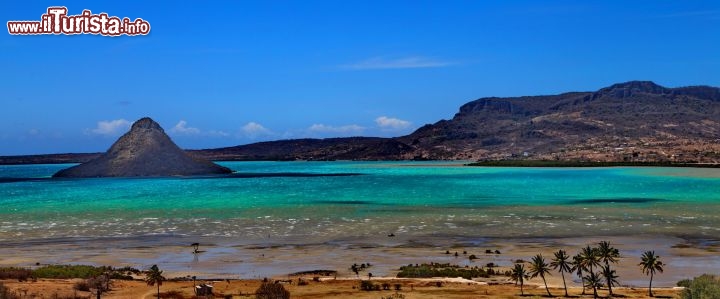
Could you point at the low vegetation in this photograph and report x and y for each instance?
(704, 286)
(355, 268)
(367, 285)
(80, 271)
(269, 290)
(6, 293)
(67, 272)
(440, 270)
(172, 295)
(82, 286)
(315, 272)
(21, 274)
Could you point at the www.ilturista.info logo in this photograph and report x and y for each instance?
(56, 21)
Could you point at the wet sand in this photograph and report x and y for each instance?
(231, 259)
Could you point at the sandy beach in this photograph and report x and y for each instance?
(247, 264)
(225, 260)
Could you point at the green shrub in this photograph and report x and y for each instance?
(271, 291)
(685, 283)
(703, 286)
(68, 271)
(440, 270)
(82, 286)
(83, 271)
(128, 270)
(20, 274)
(367, 285)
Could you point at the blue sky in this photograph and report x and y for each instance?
(226, 73)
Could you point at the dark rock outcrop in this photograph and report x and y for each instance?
(143, 151)
(350, 148)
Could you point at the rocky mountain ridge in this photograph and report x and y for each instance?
(637, 120)
(634, 121)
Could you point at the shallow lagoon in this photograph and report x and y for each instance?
(328, 200)
(333, 207)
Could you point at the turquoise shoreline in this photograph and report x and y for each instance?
(342, 208)
(317, 201)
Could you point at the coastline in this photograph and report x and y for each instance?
(229, 258)
(575, 163)
(74, 158)
(330, 226)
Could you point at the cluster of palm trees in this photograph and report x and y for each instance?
(591, 264)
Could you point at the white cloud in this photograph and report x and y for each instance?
(347, 129)
(182, 128)
(111, 127)
(391, 123)
(253, 130)
(377, 63)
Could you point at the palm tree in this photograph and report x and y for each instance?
(538, 267)
(610, 278)
(153, 277)
(608, 254)
(590, 258)
(577, 267)
(650, 264)
(593, 281)
(519, 275)
(561, 262)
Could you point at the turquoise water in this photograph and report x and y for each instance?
(328, 201)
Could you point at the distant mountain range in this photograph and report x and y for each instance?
(634, 121)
